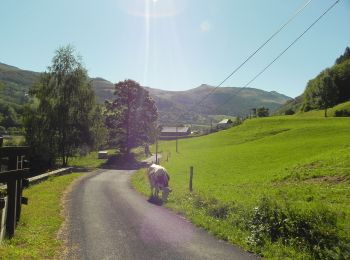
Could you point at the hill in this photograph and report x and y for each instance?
(278, 186)
(14, 86)
(15, 83)
(225, 102)
(337, 86)
(177, 106)
(229, 101)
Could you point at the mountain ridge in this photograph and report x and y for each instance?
(172, 105)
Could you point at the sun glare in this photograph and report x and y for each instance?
(162, 8)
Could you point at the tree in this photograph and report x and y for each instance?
(344, 56)
(99, 129)
(254, 110)
(326, 91)
(262, 112)
(9, 117)
(59, 121)
(131, 117)
(289, 111)
(341, 77)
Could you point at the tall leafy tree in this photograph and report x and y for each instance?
(60, 120)
(131, 117)
(326, 91)
(329, 87)
(344, 56)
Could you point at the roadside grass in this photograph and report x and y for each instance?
(36, 233)
(277, 186)
(90, 161)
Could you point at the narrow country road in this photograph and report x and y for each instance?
(107, 219)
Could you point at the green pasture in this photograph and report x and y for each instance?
(294, 167)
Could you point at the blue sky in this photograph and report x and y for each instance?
(177, 44)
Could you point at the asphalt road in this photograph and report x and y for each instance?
(107, 219)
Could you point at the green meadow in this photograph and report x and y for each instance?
(276, 186)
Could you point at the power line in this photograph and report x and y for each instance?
(296, 13)
(279, 55)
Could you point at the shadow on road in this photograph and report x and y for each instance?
(123, 162)
(155, 201)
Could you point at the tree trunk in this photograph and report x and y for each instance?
(325, 112)
(128, 129)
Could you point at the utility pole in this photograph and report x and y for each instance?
(157, 148)
(157, 130)
(176, 140)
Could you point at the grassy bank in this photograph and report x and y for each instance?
(36, 233)
(331, 112)
(277, 186)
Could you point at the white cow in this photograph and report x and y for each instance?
(159, 180)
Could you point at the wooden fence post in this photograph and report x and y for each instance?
(11, 199)
(191, 177)
(11, 207)
(18, 199)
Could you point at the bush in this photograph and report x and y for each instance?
(314, 230)
(289, 112)
(2, 130)
(342, 113)
(213, 207)
(15, 131)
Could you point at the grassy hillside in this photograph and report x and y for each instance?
(277, 186)
(330, 112)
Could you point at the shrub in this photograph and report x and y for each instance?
(213, 207)
(342, 113)
(15, 131)
(314, 230)
(2, 130)
(289, 112)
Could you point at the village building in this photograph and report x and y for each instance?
(173, 131)
(223, 124)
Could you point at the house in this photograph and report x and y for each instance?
(223, 124)
(173, 131)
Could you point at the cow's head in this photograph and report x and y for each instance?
(165, 193)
